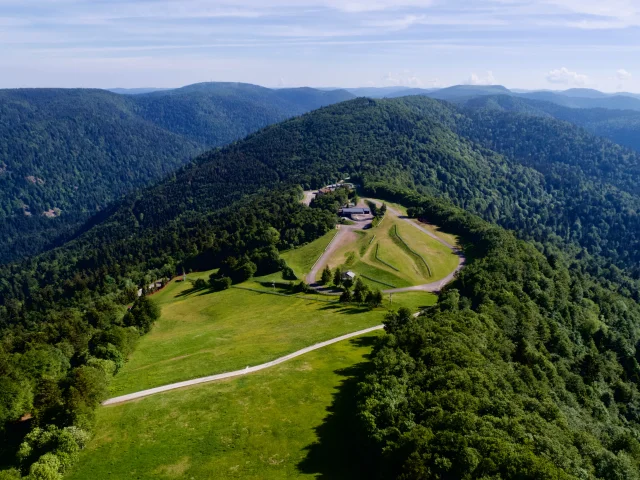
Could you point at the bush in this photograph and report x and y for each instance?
(219, 284)
(142, 314)
(288, 273)
(200, 284)
(303, 287)
(11, 474)
(374, 298)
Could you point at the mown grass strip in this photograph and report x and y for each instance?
(377, 281)
(382, 261)
(413, 251)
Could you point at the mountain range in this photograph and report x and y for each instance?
(527, 367)
(65, 154)
(573, 97)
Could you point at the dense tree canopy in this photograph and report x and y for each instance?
(67, 154)
(526, 368)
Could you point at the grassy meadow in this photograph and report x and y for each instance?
(395, 265)
(290, 421)
(301, 259)
(201, 333)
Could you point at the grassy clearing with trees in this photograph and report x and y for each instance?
(202, 333)
(269, 425)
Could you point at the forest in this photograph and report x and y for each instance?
(527, 367)
(67, 154)
(540, 331)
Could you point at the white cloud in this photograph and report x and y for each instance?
(475, 79)
(404, 79)
(566, 77)
(623, 75)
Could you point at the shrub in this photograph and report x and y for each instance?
(346, 296)
(219, 284)
(288, 273)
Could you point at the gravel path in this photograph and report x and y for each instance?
(236, 373)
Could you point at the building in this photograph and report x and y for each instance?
(349, 275)
(350, 212)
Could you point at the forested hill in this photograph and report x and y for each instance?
(217, 113)
(620, 126)
(67, 154)
(532, 364)
(549, 180)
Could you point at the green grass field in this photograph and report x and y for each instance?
(291, 421)
(360, 256)
(301, 259)
(202, 333)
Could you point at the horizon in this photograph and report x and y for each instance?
(527, 44)
(389, 87)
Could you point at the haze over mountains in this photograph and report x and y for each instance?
(573, 97)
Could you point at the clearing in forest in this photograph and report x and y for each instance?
(202, 333)
(272, 424)
(394, 254)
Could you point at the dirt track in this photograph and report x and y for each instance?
(345, 235)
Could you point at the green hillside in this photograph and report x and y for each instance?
(67, 154)
(619, 126)
(526, 368)
(271, 425)
(202, 333)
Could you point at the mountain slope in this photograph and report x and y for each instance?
(530, 368)
(76, 151)
(67, 154)
(550, 181)
(214, 114)
(620, 126)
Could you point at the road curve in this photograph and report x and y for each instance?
(236, 373)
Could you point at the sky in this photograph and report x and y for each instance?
(528, 44)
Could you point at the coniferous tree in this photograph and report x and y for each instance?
(326, 275)
(337, 277)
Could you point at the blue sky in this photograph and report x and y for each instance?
(552, 44)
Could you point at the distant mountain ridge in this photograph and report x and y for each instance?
(620, 126)
(572, 98)
(66, 154)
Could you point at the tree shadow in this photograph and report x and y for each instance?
(192, 290)
(340, 451)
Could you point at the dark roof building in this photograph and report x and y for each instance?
(347, 212)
